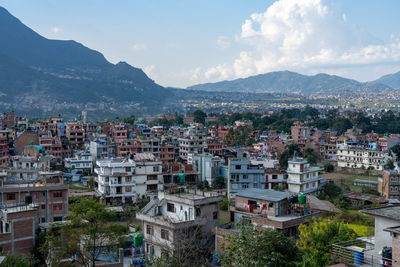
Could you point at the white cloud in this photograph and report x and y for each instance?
(139, 47)
(55, 30)
(306, 36)
(223, 42)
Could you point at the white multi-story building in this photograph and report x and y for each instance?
(81, 161)
(170, 218)
(350, 156)
(115, 180)
(148, 175)
(303, 178)
(193, 142)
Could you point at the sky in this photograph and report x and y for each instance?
(185, 42)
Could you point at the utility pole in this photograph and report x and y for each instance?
(229, 179)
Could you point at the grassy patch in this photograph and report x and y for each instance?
(361, 230)
(78, 187)
(224, 217)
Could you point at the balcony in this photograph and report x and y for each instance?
(358, 252)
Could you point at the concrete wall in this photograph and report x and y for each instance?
(383, 238)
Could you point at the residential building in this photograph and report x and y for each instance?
(208, 167)
(48, 191)
(175, 216)
(244, 175)
(194, 141)
(27, 167)
(389, 184)
(115, 181)
(380, 249)
(52, 145)
(75, 133)
(99, 149)
(167, 154)
(303, 178)
(81, 161)
(148, 175)
(18, 226)
(358, 157)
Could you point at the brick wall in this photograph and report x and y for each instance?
(396, 249)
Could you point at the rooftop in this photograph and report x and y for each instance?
(264, 194)
(390, 212)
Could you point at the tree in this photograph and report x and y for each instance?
(317, 238)
(389, 165)
(199, 116)
(288, 153)
(18, 261)
(311, 156)
(252, 246)
(88, 224)
(129, 120)
(218, 182)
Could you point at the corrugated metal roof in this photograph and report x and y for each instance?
(264, 194)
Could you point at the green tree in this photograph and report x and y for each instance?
(218, 182)
(89, 223)
(389, 165)
(199, 116)
(252, 246)
(18, 261)
(288, 153)
(317, 238)
(311, 156)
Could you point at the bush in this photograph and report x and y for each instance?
(329, 167)
(224, 204)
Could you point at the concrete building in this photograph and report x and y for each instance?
(244, 175)
(115, 181)
(208, 167)
(271, 209)
(48, 191)
(18, 226)
(303, 178)
(194, 141)
(389, 184)
(75, 133)
(81, 161)
(27, 167)
(353, 156)
(176, 216)
(385, 239)
(148, 175)
(99, 149)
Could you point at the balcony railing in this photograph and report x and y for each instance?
(358, 252)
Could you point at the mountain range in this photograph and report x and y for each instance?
(36, 71)
(292, 82)
(66, 70)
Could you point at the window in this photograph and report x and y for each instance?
(57, 194)
(274, 176)
(42, 207)
(245, 176)
(11, 196)
(170, 207)
(245, 186)
(198, 211)
(128, 179)
(156, 168)
(149, 229)
(58, 219)
(57, 206)
(238, 167)
(164, 234)
(215, 215)
(393, 189)
(128, 189)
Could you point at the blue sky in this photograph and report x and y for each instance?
(184, 42)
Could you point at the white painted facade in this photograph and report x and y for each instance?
(355, 157)
(303, 178)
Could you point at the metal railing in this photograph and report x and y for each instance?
(358, 252)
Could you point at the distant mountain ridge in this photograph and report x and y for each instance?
(392, 80)
(66, 70)
(292, 82)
